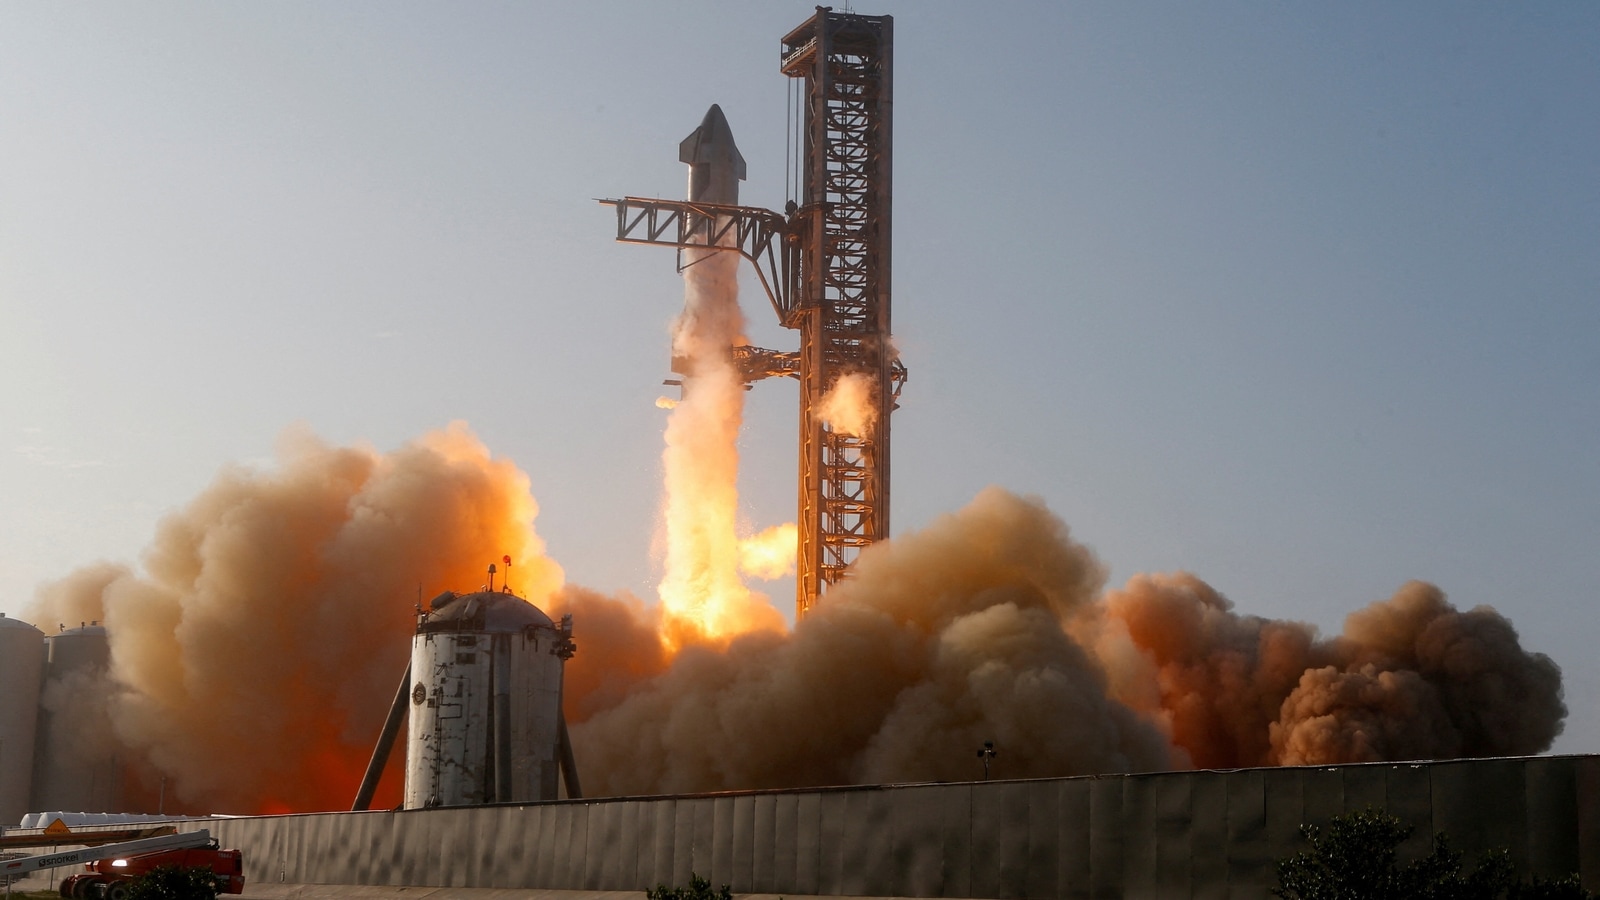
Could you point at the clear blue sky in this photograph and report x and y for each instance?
(1300, 297)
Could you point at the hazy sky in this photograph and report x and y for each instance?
(1299, 297)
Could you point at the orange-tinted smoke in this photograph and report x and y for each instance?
(1420, 679)
(939, 641)
(619, 646)
(1411, 677)
(990, 625)
(254, 655)
(1215, 678)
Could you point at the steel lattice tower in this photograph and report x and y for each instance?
(844, 62)
(824, 264)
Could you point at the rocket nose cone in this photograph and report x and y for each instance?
(712, 143)
(715, 123)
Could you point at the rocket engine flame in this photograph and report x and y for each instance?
(702, 596)
(770, 555)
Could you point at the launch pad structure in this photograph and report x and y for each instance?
(824, 263)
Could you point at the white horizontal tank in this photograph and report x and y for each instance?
(21, 670)
(486, 671)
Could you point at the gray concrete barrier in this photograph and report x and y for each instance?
(1165, 835)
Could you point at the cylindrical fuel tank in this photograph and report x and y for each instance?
(77, 761)
(77, 649)
(21, 668)
(486, 673)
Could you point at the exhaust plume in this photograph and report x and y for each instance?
(770, 555)
(702, 595)
(251, 656)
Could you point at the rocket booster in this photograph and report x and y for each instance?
(715, 166)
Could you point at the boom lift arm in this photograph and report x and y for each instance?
(15, 868)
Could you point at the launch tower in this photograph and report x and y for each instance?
(824, 264)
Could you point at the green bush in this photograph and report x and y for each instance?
(698, 889)
(1355, 858)
(175, 883)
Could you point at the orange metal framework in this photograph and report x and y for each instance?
(825, 267)
(845, 62)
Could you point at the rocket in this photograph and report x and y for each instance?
(715, 170)
(715, 166)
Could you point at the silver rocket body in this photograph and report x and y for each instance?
(715, 169)
(715, 166)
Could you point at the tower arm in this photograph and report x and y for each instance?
(897, 378)
(759, 235)
(752, 363)
(756, 363)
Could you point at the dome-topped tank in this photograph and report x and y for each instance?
(484, 612)
(21, 667)
(486, 671)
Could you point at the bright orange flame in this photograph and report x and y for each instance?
(771, 554)
(702, 596)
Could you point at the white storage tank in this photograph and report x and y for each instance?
(485, 723)
(85, 648)
(21, 669)
(77, 762)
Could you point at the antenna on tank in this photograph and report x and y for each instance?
(505, 585)
(491, 577)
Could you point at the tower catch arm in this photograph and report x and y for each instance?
(759, 235)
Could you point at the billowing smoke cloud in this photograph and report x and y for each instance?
(255, 651)
(1411, 678)
(991, 625)
(252, 655)
(1215, 679)
(941, 640)
(619, 646)
(1421, 679)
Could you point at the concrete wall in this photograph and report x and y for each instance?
(1182, 834)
